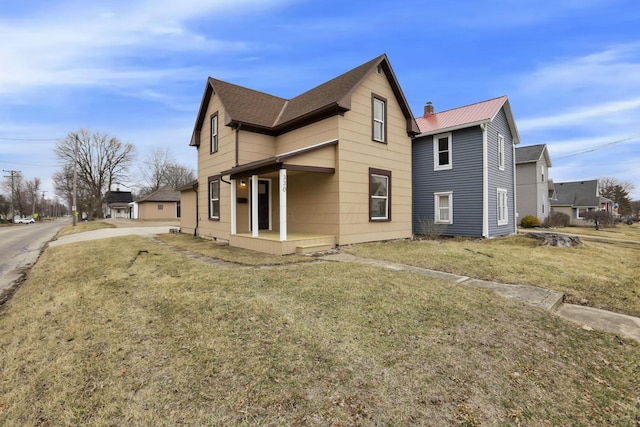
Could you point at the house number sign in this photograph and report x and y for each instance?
(284, 184)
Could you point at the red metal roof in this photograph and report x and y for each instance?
(459, 117)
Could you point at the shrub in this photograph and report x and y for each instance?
(529, 221)
(600, 218)
(430, 229)
(557, 219)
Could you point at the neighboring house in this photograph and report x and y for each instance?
(464, 170)
(329, 167)
(117, 204)
(534, 188)
(164, 203)
(576, 198)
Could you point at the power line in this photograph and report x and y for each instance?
(597, 147)
(31, 139)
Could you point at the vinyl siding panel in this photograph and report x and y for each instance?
(358, 152)
(464, 180)
(500, 178)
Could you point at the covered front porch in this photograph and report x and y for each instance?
(286, 204)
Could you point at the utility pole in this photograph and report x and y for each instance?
(75, 181)
(12, 175)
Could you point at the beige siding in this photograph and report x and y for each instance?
(153, 210)
(315, 133)
(211, 164)
(358, 152)
(312, 203)
(187, 211)
(255, 146)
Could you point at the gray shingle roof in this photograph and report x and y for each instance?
(119, 197)
(162, 194)
(273, 115)
(577, 194)
(530, 153)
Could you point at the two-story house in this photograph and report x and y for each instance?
(329, 167)
(464, 170)
(534, 187)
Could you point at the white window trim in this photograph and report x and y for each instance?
(501, 152)
(502, 195)
(436, 152)
(587, 210)
(212, 199)
(214, 133)
(436, 206)
(385, 197)
(379, 120)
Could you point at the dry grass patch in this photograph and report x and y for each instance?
(620, 231)
(228, 253)
(82, 226)
(602, 275)
(125, 332)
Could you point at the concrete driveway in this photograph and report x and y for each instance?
(123, 227)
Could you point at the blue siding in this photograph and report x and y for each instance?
(500, 178)
(464, 180)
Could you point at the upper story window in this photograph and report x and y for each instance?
(500, 152)
(442, 152)
(379, 118)
(542, 173)
(379, 195)
(214, 133)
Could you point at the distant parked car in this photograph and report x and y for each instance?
(25, 221)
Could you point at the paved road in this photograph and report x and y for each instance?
(20, 246)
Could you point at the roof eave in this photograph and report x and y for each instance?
(452, 128)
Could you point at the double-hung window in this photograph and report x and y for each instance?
(214, 133)
(500, 152)
(442, 152)
(443, 203)
(379, 195)
(503, 210)
(214, 197)
(379, 117)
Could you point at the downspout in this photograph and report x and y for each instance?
(485, 183)
(238, 143)
(515, 202)
(195, 229)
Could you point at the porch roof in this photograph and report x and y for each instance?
(272, 164)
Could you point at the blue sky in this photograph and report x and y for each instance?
(136, 69)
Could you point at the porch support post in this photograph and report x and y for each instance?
(254, 205)
(233, 207)
(283, 205)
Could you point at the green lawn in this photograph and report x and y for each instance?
(124, 331)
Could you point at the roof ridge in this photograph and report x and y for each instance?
(468, 105)
(247, 88)
(282, 110)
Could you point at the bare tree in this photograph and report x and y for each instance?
(101, 160)
(63, 182)
(160, 169)
(32, 190)
(179, 176)
(155, 169)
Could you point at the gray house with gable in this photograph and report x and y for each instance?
(463, 170)
(534, 188)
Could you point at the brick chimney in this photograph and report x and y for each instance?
(428, 109)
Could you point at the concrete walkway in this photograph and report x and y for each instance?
(551, 301)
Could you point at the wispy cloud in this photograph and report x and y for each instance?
(103, 45)
(584, 115)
